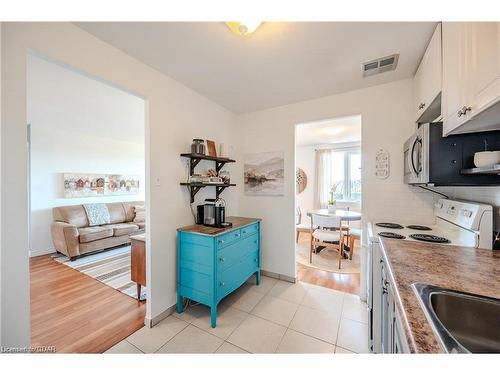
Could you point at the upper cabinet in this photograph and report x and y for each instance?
(471, 76)
(427, 83)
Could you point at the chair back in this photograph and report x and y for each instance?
(326, 221)
(298, 215)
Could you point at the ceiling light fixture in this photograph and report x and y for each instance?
(244, 27)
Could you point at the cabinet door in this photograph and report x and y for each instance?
(454, 74)
(428, 79)
(483, 67)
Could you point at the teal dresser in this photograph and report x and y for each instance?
(213, 262)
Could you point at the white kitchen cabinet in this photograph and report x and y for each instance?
(483, 66)
(427, 81)
(471, 76)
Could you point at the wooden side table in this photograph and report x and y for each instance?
(138, 261)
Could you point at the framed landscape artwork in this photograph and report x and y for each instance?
(264, 173)
(77, 185)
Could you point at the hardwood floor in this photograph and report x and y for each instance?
(345, 282)
(75, 313)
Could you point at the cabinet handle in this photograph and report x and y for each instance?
(237, 234)
(421, 106)
(221, 241)
(255, 260)
(222, 283)
(244, 232)
(464, 111)
(254, 241)
(222, 259)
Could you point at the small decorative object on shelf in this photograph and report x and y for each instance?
(198, 146)
(224, 175)
(195, 179)
(223, 150)
(212, 150)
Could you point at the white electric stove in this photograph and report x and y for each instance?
(456, 223)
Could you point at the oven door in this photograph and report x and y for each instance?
(416, 161)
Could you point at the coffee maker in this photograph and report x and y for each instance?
(212, 213)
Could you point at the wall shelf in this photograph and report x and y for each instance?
(195, 187)
(495, 169)
(194, 159)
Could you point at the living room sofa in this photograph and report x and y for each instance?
(72, 235)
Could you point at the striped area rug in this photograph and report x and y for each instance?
(111, 267)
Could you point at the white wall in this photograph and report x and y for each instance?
(386, 112)
(56, 151)
(174, 114)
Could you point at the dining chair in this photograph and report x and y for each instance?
(350, 235)
(325, 236)
(300, 227)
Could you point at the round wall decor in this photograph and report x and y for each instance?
(301, 178)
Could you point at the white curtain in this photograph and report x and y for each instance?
(324, 178)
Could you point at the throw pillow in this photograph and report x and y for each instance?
(97, 213)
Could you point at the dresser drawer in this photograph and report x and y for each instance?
(236, 251)
(228, 238)
(249, 230)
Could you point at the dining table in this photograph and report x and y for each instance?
(344, 215)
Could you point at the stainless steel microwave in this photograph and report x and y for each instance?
(416, 156)
(431, 159)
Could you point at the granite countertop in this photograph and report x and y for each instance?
(237, 222)
(464, 269)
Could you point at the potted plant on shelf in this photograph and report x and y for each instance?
(332, 203)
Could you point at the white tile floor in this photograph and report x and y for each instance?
(274, 317)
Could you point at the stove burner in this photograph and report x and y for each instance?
(391, 235)
(418, 227)
(389, 225)
(429, 238)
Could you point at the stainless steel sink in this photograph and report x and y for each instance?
(463, 322)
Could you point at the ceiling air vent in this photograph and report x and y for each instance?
(384, 64)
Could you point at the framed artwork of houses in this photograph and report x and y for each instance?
(77, 185)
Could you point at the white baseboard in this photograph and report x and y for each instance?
(278, 276)
(36, 253)
(158, 318)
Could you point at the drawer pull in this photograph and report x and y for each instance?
(254, 241)
(255, 260)
(222, 283)
(222, 259)
(237, 234)
(221, 241)
(244, 232)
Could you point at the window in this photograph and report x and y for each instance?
(346, 175)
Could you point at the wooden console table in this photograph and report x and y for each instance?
(138, 261)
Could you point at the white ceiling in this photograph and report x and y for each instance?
(334, 131)
(280, 63)
(61, 98)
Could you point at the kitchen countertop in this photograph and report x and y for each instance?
(238, 222)
(464, 269)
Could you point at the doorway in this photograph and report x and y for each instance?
(328, 183)
(86, 143)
